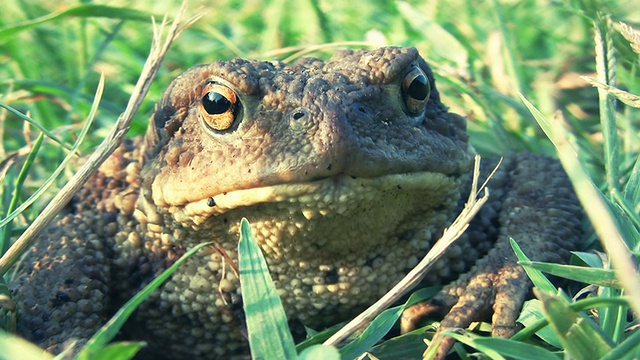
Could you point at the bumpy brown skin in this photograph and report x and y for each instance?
(347, 179)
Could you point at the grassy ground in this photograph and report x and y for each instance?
(484, 55)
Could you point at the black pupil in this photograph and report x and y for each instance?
(418, 89)
(215, 103)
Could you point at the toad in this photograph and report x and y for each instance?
(348, 171)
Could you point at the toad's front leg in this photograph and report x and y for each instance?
(541, 212)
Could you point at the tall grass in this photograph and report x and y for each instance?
(485, 55)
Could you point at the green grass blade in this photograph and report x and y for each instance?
(35, 124)
(274, 12)
(88, 10)
(539, 280)
(624, 96)
(407, 346)
(580, 305)
(532, 317)
(315, 338)
(591, 259)
(469, 339)
(513, 349)
(597, 209)
(631, 192)
(511, 49)
(5, 231)
(600, 277)
(627, 349)
(375, 331)
(119, 351)
(97, 343)
(381, 325)
(605, 69)
(269, 335)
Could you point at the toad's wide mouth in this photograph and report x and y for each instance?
(334, 195)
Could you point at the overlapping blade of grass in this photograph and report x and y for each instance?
(581, 337)
(118, 351)
(16, 190)
(611, 319)
(594, 276)
(52, 79)
(442, 44)
(497, 348)
(381, 325)
(559, 312)
(537, 278)
(594, 204)
(269, 334)
(627, 350)
(534, 322)
(606, 74)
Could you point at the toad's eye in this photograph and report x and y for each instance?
(218, 106)
(415, 91)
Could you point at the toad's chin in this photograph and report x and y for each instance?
(336, 195)
(339, 213)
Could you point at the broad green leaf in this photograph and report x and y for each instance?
(269, 334)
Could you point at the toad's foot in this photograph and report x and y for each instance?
(504, 290)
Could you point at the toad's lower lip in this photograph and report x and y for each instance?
(330, 195)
